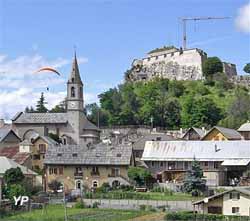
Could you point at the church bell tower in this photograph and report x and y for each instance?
(75, 89)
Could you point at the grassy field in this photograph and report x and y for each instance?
(56, 213)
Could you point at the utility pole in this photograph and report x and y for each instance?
(184, 23)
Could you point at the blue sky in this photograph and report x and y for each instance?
(108, 35)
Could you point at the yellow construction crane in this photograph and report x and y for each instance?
(184, 22)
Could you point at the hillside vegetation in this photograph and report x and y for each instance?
(173, 104)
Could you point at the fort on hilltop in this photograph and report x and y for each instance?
(174, 64)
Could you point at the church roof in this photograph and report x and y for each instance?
(89, 126)
(41, 118)
(96, 154)
(75, 73)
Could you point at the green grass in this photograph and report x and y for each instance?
(56, 213)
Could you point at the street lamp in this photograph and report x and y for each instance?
(65, 203)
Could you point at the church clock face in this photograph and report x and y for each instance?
(72, 104)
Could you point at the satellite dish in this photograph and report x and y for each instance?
(206, 200)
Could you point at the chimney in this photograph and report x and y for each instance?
(2, 123)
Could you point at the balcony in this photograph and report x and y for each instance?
(95, 173)
(78, 174)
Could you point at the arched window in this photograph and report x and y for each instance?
(78, 184)
(95, 184)
(80, 92)
(73, 93)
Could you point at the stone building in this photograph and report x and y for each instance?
(89, 166)
(72, 127)
(8, 137)
(174, 64)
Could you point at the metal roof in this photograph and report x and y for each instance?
(245, 127)
(98, 154)
(229, 133)
(201, 150)
(6, 164)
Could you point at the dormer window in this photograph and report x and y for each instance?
(73, 93)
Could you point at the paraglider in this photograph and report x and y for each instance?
(47, 69)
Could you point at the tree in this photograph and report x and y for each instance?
(59, 108)
(13, 176)
(200, 111)
(15, 190)
(212, 66)
(247, 68)
(40, 107)
(140, 176)
(194, 181)
(55, 185)
(96, 115)
(29, 109)
(55, 137)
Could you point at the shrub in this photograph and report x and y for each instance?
(142, 207)
(95, 205)
(80, 205)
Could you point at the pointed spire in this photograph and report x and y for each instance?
(75, 74)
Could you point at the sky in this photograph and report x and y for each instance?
(107, 35)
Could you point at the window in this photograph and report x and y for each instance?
(36, 157)
(161, 164)
(60, 170)
(59, 154)
(73, 80)
(186, 165)
(235, 209)
(73, 93)
(57, 131)
(152, 163)
(234, 195)
(42, 148)
(216, 165)
(74, 154)
(80, 92)
(115, 172)
(64, 141)
(78, 184)
(95, 184)
(95, 171)
(158, 138)
(53, 170)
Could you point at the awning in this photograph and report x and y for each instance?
(242, 162)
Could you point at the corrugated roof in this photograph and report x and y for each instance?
(44, 118)
(229, 133)
(99, 154)
(140, 143)
(6, 164)
(201, 150)
(245, 127)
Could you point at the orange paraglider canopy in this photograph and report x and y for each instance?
(47, 69)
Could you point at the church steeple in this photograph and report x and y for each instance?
(75, 89)
(75, 74)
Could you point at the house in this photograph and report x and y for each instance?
(13, 153)
(8, 137)
(223, 162)
(244, 130)
(230, 202)
(72, 126)
(37, 148)
(194, 133)
(6, 163)
(89, 166)
(139, 144)
(222, 133)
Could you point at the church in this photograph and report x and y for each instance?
(72, 127)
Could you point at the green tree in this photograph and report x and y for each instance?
(212, 66)
(13, 176)
(140, 176)
(194, 181)
(200, 111)
(59, 108)
(15, 190)
(96, 115)
(40, 107)
(247, 68)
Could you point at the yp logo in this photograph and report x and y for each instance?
(21, 199)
